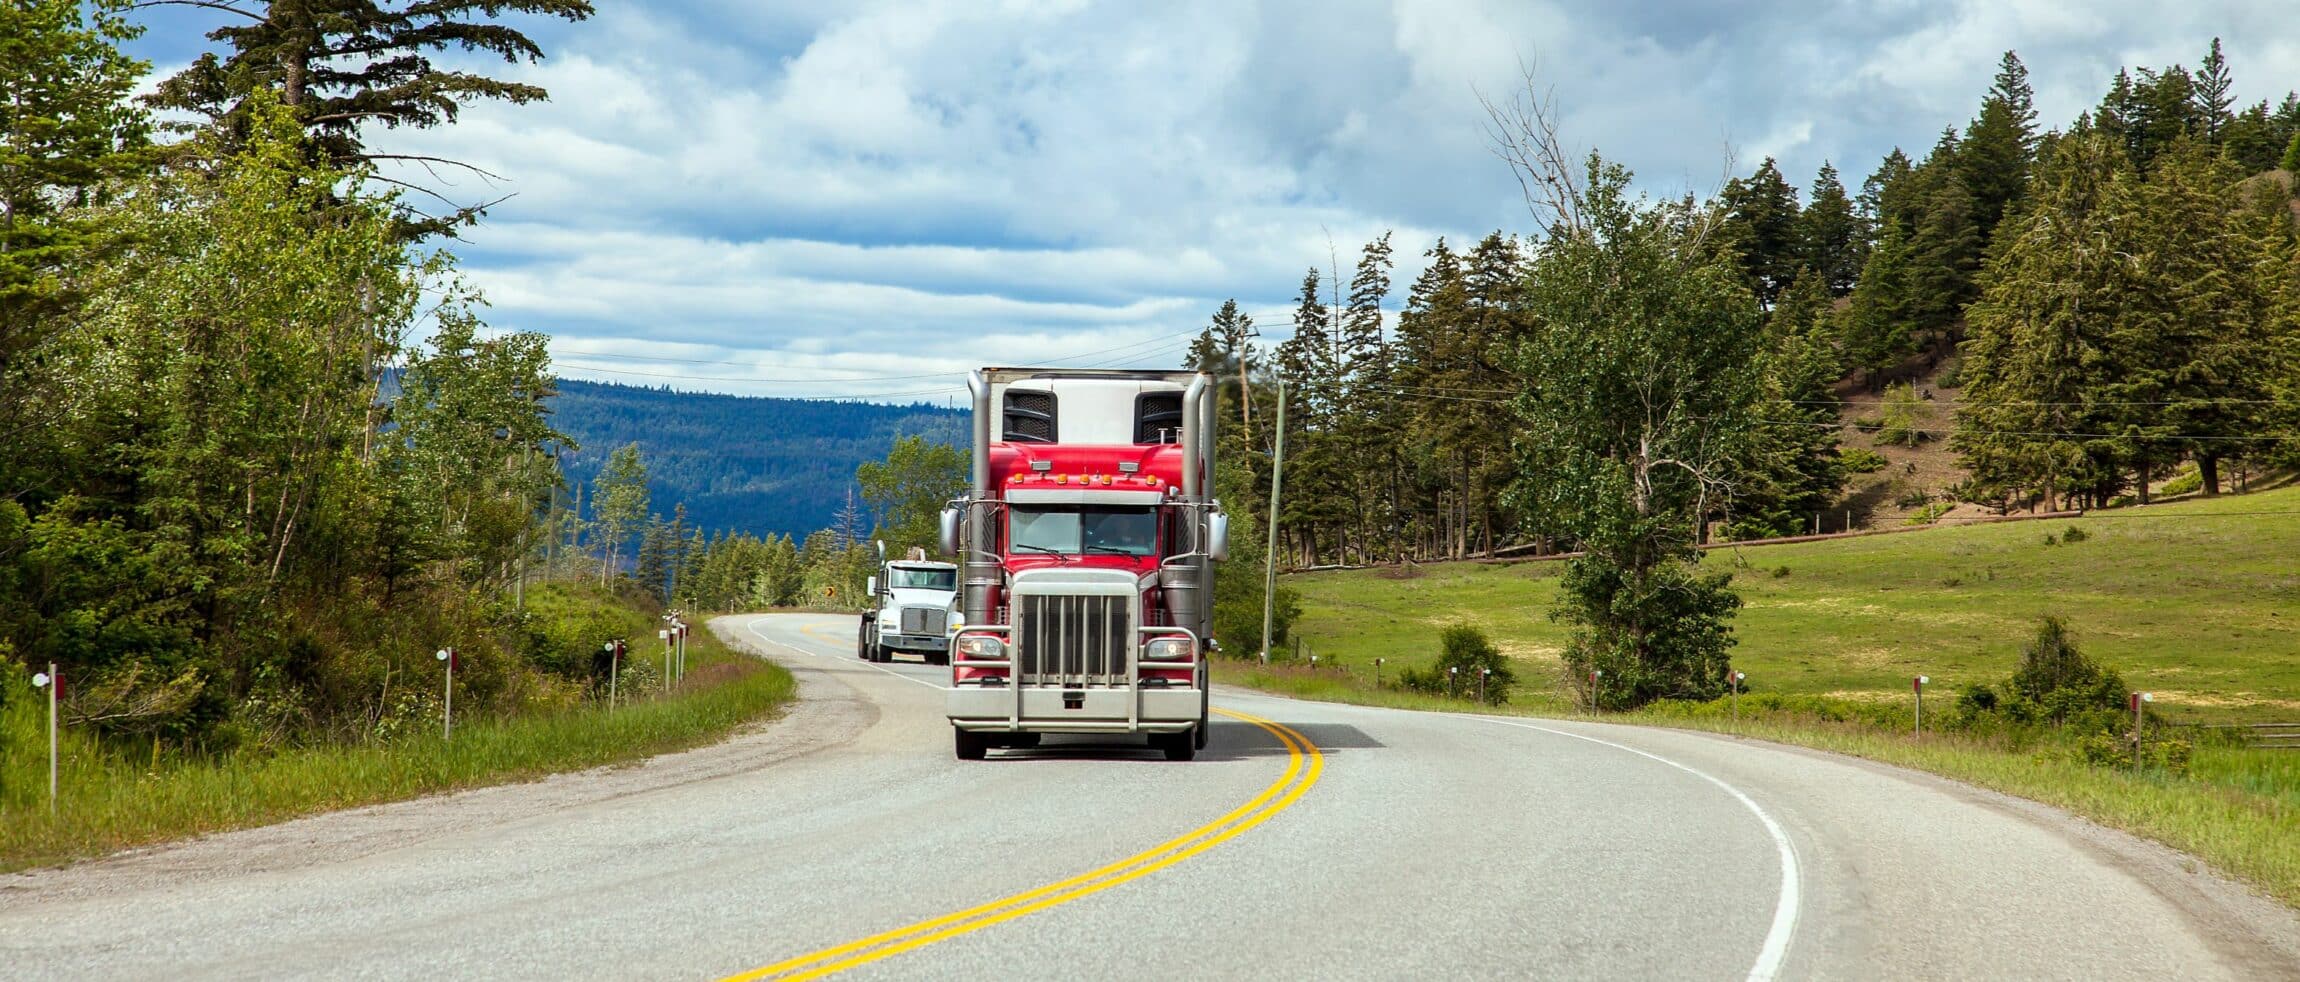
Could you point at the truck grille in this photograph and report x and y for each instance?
(924, 620)
(1072, 640)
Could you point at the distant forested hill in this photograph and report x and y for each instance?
(739, 462)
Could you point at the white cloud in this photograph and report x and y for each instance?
(853, 191)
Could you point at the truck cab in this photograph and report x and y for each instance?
(914, 604)
(1085, 550)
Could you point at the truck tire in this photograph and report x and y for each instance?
(969, 745)
(1178, 746)
(1205, 714)
(885, 654)
(863, 640)
(1021, 741)
(934, 658)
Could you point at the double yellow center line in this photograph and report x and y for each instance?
(1303, 767)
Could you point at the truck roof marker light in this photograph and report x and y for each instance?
(1061, 478)
(1153, 479)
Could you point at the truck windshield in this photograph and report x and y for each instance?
(1085, 529)
(899, 578)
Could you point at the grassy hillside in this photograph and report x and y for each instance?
(2198, 602)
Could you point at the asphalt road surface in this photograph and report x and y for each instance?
(1308, 841)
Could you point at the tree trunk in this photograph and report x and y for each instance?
(2209, 468)
(2143, 482)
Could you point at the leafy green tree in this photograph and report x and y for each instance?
(907, 491)
(618, 506)
(1647, 356)
(338, 65)
(2291, 162)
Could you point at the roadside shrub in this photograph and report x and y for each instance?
(2106, 749)
(1954, 377)
(2056, 683)
(1900, 417)
(1468, 651)
(1861, 460)
(2074, 535)
(1780, 572)
(2188, 482)
(1868, 424)
(1930, 513)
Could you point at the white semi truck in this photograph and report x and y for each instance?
(914, 606)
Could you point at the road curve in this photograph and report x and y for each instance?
(1308, 841)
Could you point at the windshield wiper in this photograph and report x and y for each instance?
(1113, 550)
(1056, 553)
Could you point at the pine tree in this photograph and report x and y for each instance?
(1225, 349)
(2213, 95)
(1762, 222)
(66, 131)
(1831, 240)
(1880, 323)
(653, 566)
(2291, 162)
(1995, 154)
(1788, 470)
(1879, 201)
(338, 65)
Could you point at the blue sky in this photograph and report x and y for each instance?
(865, 199)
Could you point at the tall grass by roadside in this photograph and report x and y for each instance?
(117, 795)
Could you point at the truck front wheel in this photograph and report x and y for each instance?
(1178, 746)
(970, 745)
(863, 640)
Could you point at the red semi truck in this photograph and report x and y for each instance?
(1085, 550)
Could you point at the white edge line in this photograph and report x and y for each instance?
(1776, 949)
(752, 625)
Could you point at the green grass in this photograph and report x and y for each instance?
(2198, 602)
(113, 798)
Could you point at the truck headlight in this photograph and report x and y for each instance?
(981, 646)
(1169, 649)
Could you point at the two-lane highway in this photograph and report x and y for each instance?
(1307, 841)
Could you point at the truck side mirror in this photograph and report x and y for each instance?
(1218, 536)
(881, 544)
(870, 585)
(950, 530)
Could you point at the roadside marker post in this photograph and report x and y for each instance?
(614, 651)
(1595, 674)
(1919, 684)
(1733, 695)
(51, 681)
(665, 634)
(1452, 672)
(1481, 677)
(2139, 734)
(446, 657)
(1377, 673)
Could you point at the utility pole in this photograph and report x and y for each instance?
(1270, 555)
